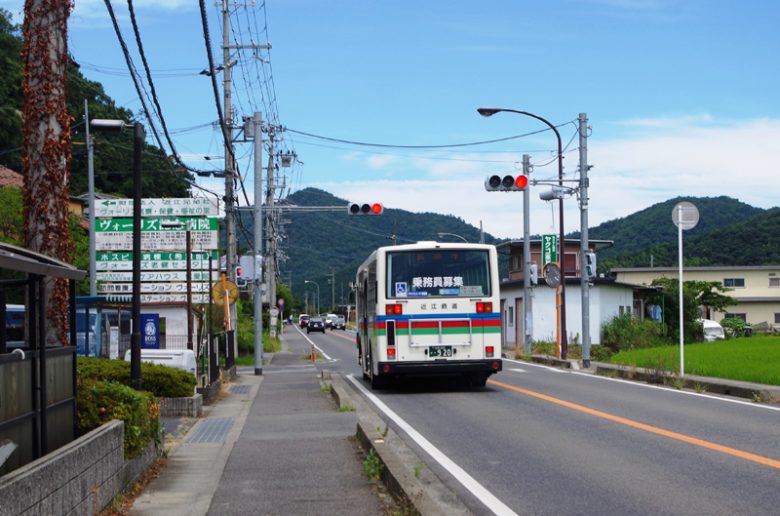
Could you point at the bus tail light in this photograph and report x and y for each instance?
(484, 307)
(391, 353)
(489, 350)
(395, 309)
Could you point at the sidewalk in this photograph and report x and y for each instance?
(273, 444)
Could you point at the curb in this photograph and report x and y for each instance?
(404, 474)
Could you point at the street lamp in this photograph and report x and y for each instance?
(562, 286)
(318, 294)
(135, 338)
(452, 235)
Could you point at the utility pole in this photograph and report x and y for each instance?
(258, 237)
(527, 314)
(271, 261)
(230, 213)
(91, 200)
(584, 281)
(332, 288)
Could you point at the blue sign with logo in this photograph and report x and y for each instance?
(150, 331)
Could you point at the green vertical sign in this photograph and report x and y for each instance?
(549, 249)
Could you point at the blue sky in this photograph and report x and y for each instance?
(681, 96)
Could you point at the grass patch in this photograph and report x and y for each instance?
(749, 359)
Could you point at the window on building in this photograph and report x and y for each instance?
(734, 282)
(571, 265)
(510, 316)
(777, 318)
(737, 316)
(774, 282)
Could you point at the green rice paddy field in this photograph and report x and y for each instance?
(750, 359)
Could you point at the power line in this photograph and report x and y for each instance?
(398, 146)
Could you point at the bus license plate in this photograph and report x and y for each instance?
(439, 351)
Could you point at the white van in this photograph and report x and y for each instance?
(712, 330)
(183, 359)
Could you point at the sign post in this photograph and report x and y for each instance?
(685, 216)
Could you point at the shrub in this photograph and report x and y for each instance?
(624, 332)
(99, 402)
(734, 326)
(160, 380)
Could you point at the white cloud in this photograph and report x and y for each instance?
(629, 174)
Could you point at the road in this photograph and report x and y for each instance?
(539, 440)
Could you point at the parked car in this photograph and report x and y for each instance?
(303, 320)
(315, 324)
(712, 330)
(339, 323)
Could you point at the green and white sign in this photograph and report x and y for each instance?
(157, 234)
(549, 249)
(154, 261)
(174, 207)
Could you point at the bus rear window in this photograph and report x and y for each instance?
(438, 273)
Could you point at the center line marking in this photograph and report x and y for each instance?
(766, 461)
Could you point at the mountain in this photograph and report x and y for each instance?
(329, 240)
(728, 233)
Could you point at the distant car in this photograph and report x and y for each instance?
(315, 324)
(339, 323)
(712, 330)
(303, 320)
(329, 319)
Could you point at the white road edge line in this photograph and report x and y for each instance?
(660, 388)
(311, 342)
(482, 494)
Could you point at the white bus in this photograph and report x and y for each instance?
(428, 309)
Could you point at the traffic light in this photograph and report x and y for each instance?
(365, 209)
(508, 183)
(590, 265)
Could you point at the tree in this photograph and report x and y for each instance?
(696, 294)
(46, 149)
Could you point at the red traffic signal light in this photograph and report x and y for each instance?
(507, 183)
(365, 209)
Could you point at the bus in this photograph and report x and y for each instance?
(429, 308)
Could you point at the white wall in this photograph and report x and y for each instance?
(604, 301)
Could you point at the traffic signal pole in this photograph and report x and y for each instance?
(584, 279)
(527, 314)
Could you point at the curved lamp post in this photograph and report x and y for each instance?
(452, 235)
(318, 294)
(562, 340)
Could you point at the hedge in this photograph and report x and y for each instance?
(160, 380)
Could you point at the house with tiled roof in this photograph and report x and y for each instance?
(10, 178)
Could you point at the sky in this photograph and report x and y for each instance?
(681, 97)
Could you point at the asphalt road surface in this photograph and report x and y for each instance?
(539, 440)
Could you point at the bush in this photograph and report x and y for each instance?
(160, 380)
(734, 326)
(624, 332)
(99, 402)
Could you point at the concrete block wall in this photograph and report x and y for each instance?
(81, 477)
(181, 407)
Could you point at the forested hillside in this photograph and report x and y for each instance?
(317, 242)
(113, 152)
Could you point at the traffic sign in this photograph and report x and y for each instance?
(685, 215)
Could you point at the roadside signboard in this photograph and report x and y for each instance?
(189, 207)
(123, 261)
(549, 249)
(195, 276)
(157, 234)
(150, 329)
(153, 299)
(151, 288)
